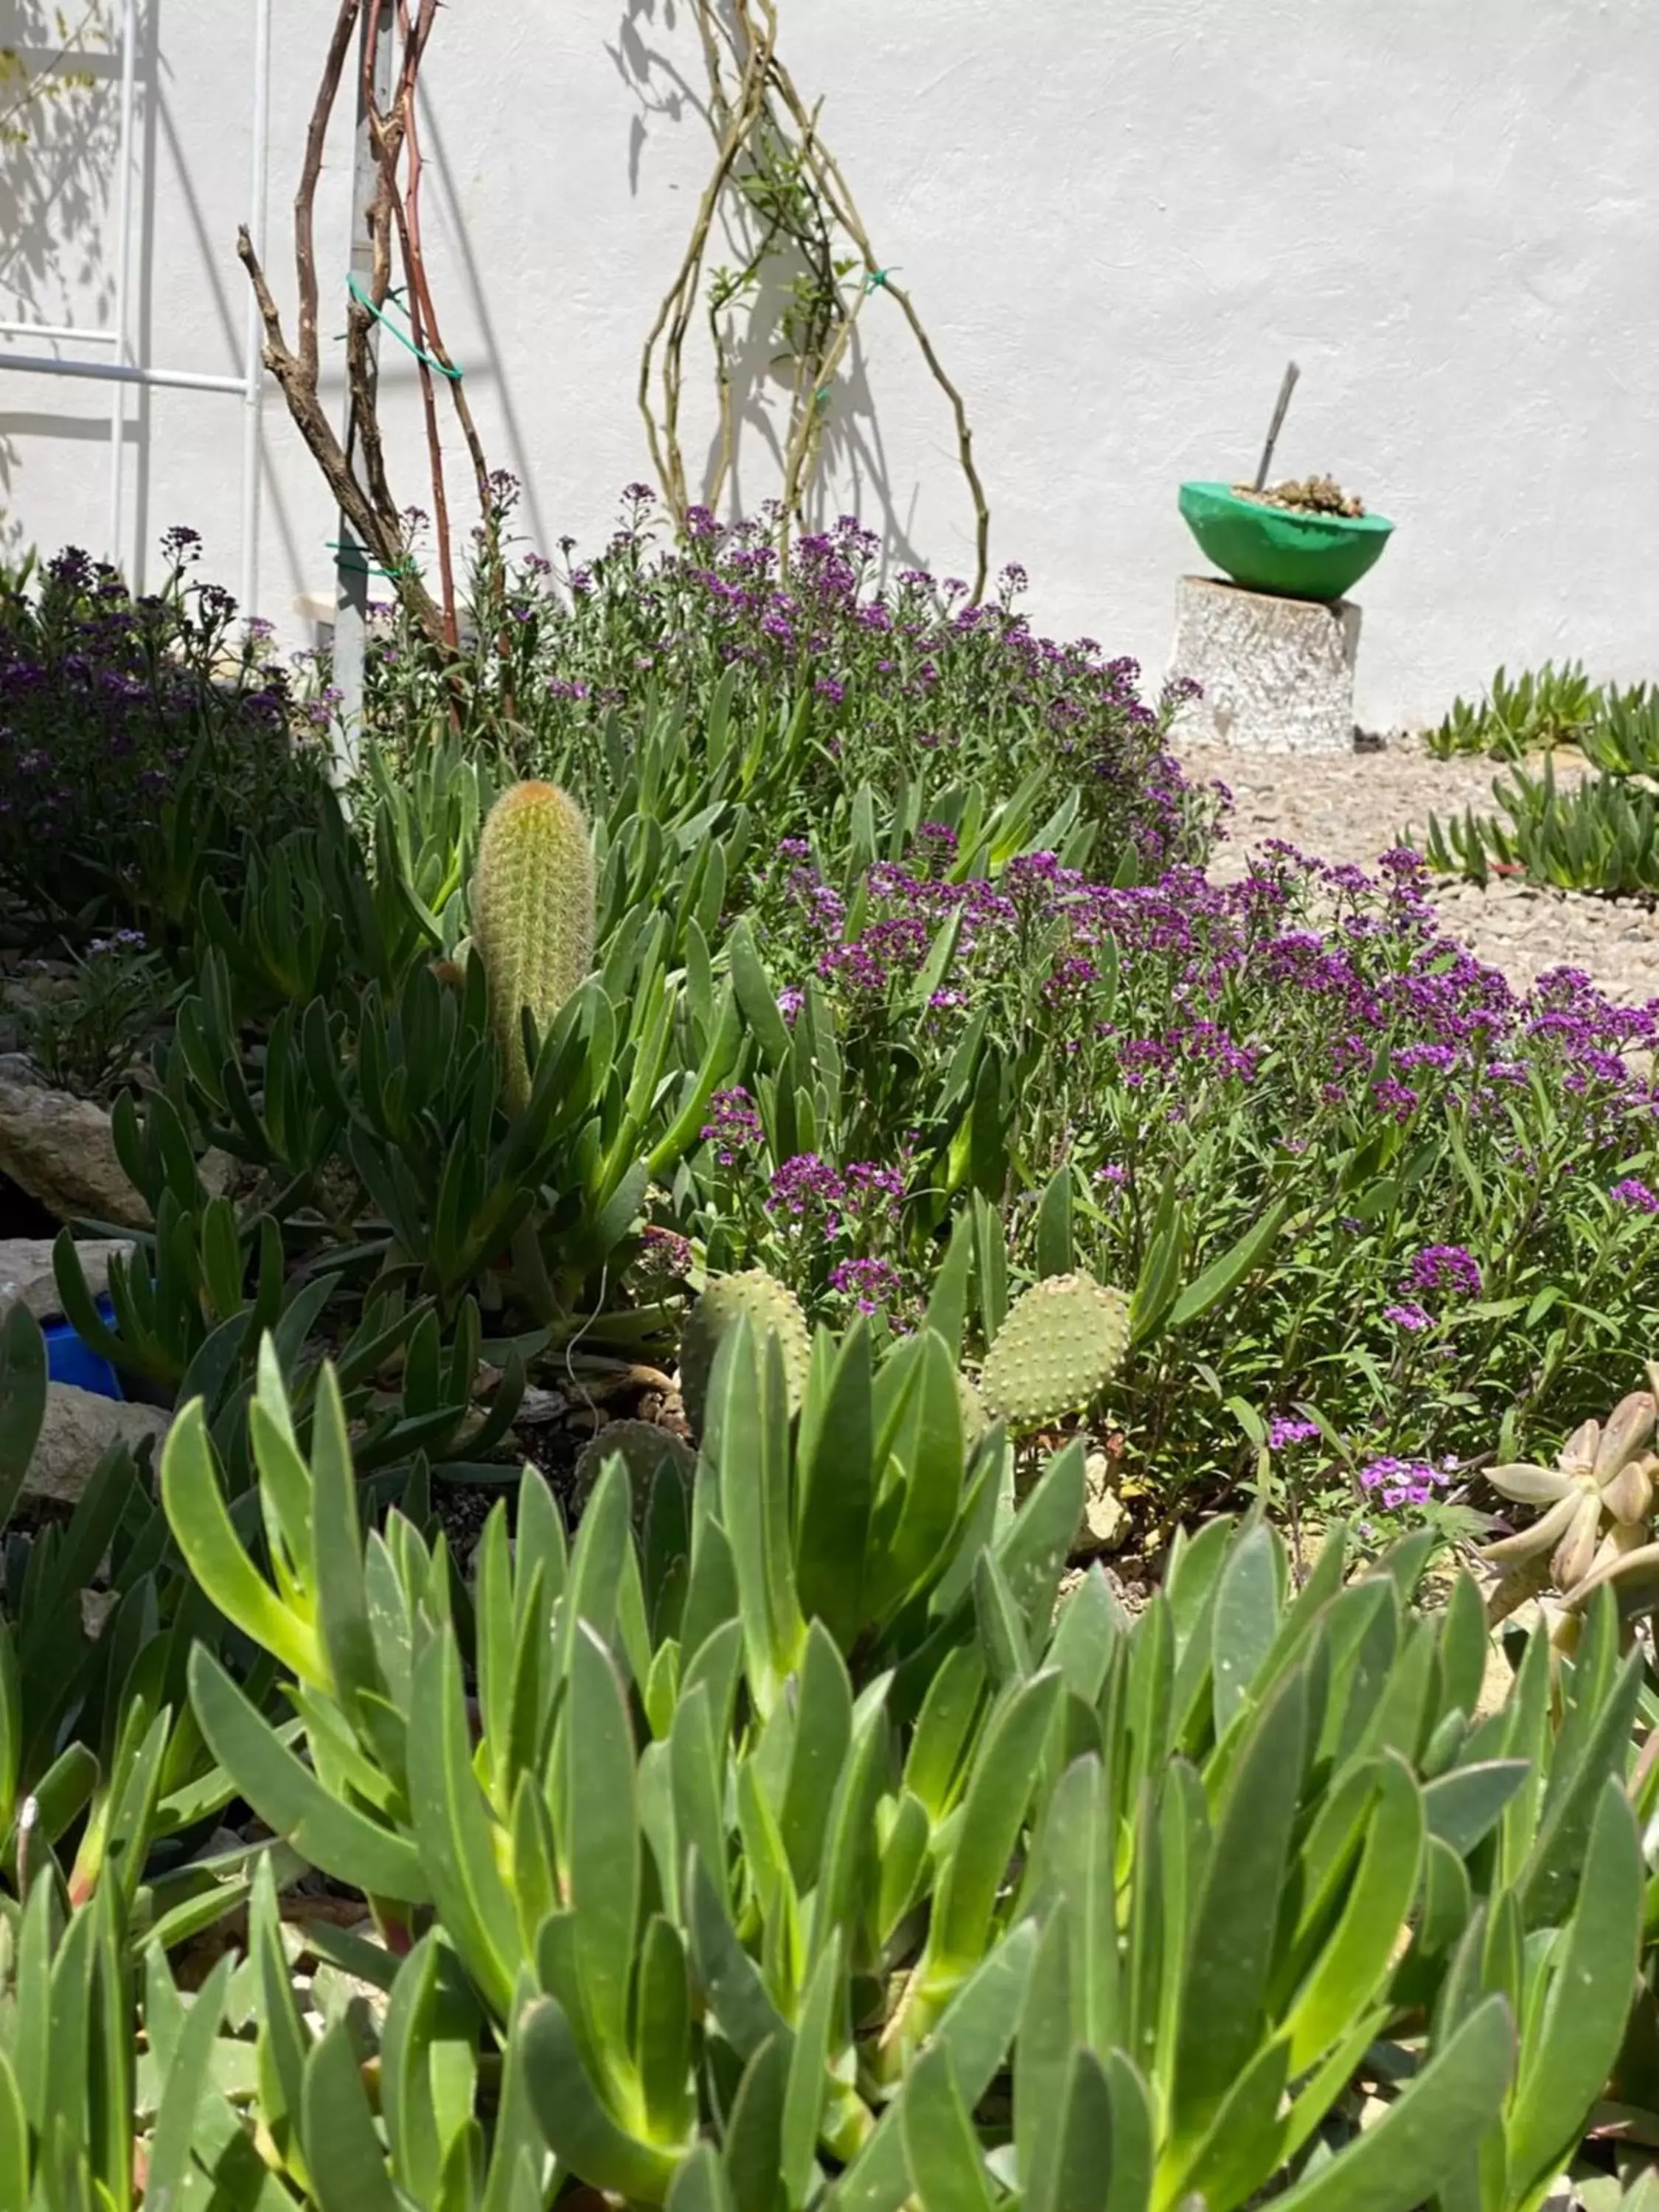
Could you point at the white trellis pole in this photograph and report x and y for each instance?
(352, 562)
(122, 371)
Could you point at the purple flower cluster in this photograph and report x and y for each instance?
(1248, 1037)
(1193, 961)
(1412, 1317)
(665, 1257)
(808, 1188)
(869, 1283)
(1402, 1481)
(1445, 1268)
(1286, 1429)
(733, 1127)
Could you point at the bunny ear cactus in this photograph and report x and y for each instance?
(534, 900)
(1062, 1342)
(770, 1307)
(642, 1447)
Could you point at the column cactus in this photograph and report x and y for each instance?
(533, 904)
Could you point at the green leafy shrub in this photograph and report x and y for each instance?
(335, 1049)
(1616, 727)
(1624, 739)
(806, 1845)
(86, 1029)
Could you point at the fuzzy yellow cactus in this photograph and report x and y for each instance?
(533, 903)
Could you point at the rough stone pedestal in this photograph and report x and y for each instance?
(1278, 674)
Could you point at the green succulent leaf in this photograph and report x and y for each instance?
(1571, 2050)
(941, 2150)
(603, 1845)
(288, 1797)
(584, 2136)
(215, 1554)
(1356, 1962)
(1464, 1806)
(1398, 2165)
(22, 1402)
(1230, 1953)
(993, 1812)
(975, 2029)
(343, 2152)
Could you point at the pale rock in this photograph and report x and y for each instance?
(538, 1406)
(27, 1279)
(96, 1607)
(79, 1428)
(1105, 1516)
(61, 1150)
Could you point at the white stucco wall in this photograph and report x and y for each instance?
(1118, 221)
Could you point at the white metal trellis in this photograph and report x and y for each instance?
(122, 371)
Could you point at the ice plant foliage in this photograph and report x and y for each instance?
(821, 1696)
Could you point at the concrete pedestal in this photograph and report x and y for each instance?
(1278, 674)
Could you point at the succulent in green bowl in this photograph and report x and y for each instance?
(1299, 552)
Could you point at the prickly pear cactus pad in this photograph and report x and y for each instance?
(974, 1418)
(1062, 1342)
(533, 904)
(642, 1447)
(769, 1306)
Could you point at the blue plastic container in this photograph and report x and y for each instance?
(70, 1360)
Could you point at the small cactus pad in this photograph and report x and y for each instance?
(771, 1308)
(974, 1418)
(533, 905)
(1061, 1342)
(642, 1447)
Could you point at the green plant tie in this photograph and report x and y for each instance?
(366, 568)
(443, 368)
(875, 278)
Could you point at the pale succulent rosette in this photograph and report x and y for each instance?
(1597, 1501)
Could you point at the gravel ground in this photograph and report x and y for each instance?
(1353, 806)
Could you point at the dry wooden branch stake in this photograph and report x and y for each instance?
(354, 467)
(1278, 424)
(773, 171)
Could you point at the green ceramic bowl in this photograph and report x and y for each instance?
(1272, 549)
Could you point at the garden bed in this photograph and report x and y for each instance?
(802, 1413)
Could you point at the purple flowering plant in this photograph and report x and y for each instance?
(1462, 1168)
(145, 742)
(852, 675)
